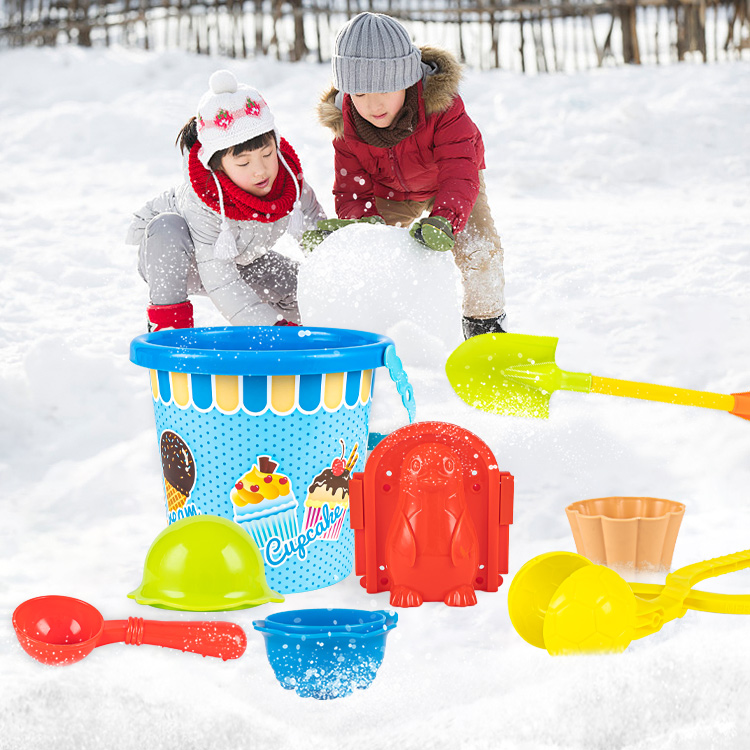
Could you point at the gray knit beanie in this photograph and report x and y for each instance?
(373, 53)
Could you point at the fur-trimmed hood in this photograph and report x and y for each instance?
(439, 90)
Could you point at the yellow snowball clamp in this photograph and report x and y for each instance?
(564, 603)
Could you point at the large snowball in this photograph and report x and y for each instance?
(377, 278)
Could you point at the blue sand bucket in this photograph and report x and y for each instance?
(326, 653)
(264, 425)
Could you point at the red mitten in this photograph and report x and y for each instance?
(161, 317)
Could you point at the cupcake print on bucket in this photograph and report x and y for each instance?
(264, 503)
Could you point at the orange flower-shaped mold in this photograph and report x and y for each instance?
(634, 532)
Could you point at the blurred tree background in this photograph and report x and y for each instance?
(527, 35)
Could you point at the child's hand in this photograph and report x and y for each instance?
(331, 225)
(434, 232)
(313, 237)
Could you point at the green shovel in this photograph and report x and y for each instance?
(515, 374)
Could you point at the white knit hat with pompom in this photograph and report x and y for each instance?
(230, 113)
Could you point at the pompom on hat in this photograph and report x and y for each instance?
(373, 53)
(230, 113)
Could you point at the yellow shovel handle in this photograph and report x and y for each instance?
(664, 393)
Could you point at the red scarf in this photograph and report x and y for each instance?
(239, 204)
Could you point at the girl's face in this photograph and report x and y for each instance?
(379, 109)
(253, 171)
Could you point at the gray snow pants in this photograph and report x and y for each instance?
(166, 261)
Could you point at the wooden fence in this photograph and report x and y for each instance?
(526, 35)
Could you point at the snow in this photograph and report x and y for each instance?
(379, 279)
(622, 196)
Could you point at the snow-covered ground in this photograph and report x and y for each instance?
(623, 198)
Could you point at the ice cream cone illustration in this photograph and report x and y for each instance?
(330, 488)
(175, 498)
(178, 466)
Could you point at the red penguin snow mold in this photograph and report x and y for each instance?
(431, 515)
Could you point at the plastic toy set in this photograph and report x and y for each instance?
(262, 433)
(259, 431)
(564, 602)
(262, 426)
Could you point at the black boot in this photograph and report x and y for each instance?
(477, 326)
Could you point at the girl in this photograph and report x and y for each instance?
(213, 234)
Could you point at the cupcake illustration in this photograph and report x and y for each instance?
(264, 503)
(330, 488)
(178, 466)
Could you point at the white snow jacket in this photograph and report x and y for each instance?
(220, 279)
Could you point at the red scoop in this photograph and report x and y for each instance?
(62, 630)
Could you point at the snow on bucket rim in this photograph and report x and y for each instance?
(260, 350)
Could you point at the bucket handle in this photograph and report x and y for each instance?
(401, 379)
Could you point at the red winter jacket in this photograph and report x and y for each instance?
(440, 160)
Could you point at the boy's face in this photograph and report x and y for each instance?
(253, 171)
(379, 109)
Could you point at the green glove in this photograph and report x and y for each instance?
(313, 237)
(331, 225)
(434, 232)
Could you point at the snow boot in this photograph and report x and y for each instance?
(477, 326)
(163, 317)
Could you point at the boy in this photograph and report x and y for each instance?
(404, 145)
